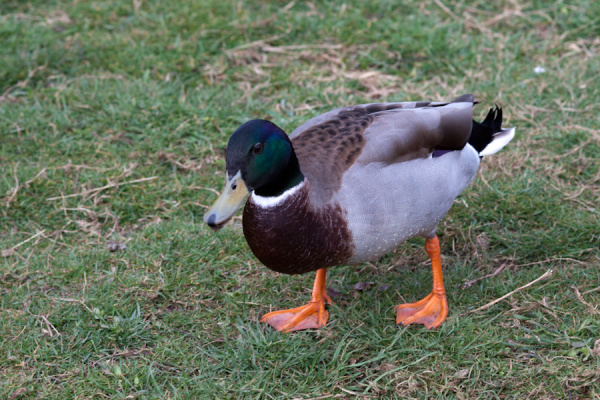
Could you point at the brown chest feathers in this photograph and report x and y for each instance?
(292, 238)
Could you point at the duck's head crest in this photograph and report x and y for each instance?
(259, 158)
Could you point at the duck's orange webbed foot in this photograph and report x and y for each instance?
(433, 309)
(430, 311)
(310, 316)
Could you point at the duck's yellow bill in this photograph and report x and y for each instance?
(233, 197)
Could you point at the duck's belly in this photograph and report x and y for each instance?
(388, 204)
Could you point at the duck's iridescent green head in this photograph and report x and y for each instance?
(259, 158)
(260, 150)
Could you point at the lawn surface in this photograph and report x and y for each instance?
(114, 116)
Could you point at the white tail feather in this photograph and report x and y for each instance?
(500, 140)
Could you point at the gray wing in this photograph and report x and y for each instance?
(319, 119)
(405, 134)
(329, 144)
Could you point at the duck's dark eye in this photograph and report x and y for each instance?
(258, 148)
(233, 187)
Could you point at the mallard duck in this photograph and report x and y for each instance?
(349, 186)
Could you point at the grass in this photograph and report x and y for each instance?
(113, 121)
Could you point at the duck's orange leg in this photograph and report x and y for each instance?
(311, 315)
(433, 309)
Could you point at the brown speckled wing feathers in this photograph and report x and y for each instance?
(328, 145)
(325, 151)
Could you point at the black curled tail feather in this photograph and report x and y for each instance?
(483, 133)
